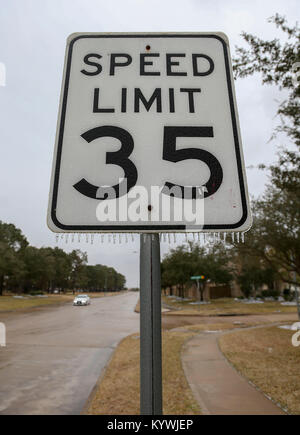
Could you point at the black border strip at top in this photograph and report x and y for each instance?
(142, 228)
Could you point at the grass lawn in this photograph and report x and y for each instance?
(9, 303)
(225, 306)
(267, 358)
(118, 393)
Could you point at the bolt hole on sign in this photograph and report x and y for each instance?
(148, 137)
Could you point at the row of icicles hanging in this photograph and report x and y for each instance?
(202, 238)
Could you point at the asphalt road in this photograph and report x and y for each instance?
(54, 356)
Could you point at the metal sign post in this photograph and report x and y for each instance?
(197, 279)
(150, 326)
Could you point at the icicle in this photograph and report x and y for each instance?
(232, 237)
(186, 237)
(224, 238)
(62, 236)
(92, 239)
(132, 237)
(199, 237)
(120, 238)
(73, 237)
(243, 237)
(169, 239)
(109, 238)
(160, 236)
(114, 238)
(56, 238)
(86, 238)
(79, 236)
(165, 237)
(126, 238)
(102, 238)
(238, 237)
(67, 238)
(174, 236)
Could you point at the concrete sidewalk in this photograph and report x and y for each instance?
(217, 386)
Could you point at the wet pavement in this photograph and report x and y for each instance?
(55, 355)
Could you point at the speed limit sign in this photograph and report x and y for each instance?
(148, 137)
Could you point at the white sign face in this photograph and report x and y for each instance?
(148, 136)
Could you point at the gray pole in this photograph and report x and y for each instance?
(150, 326)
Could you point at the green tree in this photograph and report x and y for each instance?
(78, 272)
(212, 263)
(177, 268)
(27, 268)
(193, 260)
(62, 269)
(275, 61)
(274, 236)
(12, 244)
(275, 233)
(100, 277)
(35, 275)
(252, 273)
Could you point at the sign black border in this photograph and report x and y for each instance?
(143, 228)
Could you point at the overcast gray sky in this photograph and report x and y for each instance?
(32, 43)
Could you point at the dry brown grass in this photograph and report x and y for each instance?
(267, 358)
(216, 326)
(9, 303)
(118, 393)
(226, 306)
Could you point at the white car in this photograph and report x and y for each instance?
(82, 300)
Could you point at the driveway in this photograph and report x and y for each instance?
(55, 355)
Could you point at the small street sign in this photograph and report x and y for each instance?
(148, 137)
(198, 277)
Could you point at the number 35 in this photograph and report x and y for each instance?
(170, 153)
